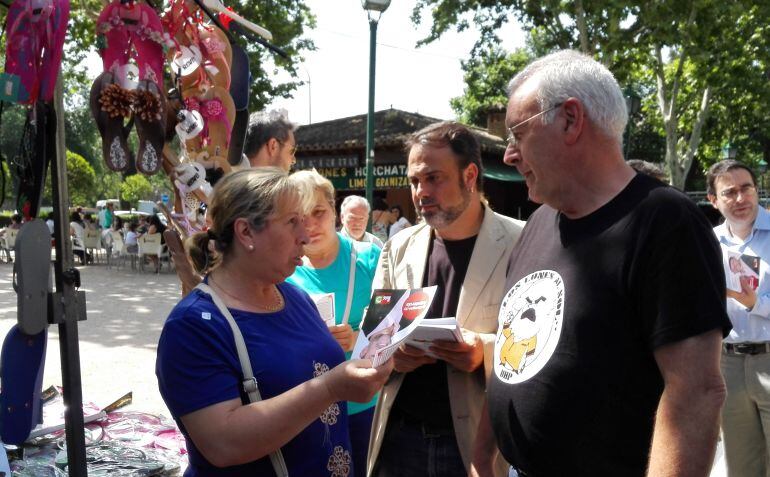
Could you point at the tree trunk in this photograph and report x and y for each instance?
(688, 155)
(580, 20)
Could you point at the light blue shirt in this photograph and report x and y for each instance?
(750, 326)
(335, 278)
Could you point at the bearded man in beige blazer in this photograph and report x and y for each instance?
(427, 415)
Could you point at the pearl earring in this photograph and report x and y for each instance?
(251, 247)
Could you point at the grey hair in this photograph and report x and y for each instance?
(569, 73)
(307, 183)
(354, 200)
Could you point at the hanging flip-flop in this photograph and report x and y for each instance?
(110, 105)
(29, 167)
(240, 84)
(22, 361)
(218, 112)
(150, 117)
(216, 56)
(34, 47)
(31, 276)
(131, 31)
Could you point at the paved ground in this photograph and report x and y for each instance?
(118, 341)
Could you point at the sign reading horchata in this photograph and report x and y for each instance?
(386, 176)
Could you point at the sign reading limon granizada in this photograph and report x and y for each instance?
(386, 176)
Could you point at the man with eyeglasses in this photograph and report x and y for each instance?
(745, 240)
(354, 215)
(606, 360)
(270, 141)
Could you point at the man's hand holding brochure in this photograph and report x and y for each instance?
(397, 317)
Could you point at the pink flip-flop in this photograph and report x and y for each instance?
(131, 31)
(35, 44)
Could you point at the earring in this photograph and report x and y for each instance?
(251, 247)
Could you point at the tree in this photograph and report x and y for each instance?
(486, 77)
(681, 46)
(80, 180)
(135, 188)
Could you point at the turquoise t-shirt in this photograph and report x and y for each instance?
(334, 279)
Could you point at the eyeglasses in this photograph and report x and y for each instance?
(512, 140)
(293, 149)
(744, 190)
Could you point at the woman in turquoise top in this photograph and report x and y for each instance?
(326, 269)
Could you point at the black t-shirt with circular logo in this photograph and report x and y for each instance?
(575, 386)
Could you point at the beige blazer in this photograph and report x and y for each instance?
(402, 265)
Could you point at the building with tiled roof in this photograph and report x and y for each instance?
(336, 148)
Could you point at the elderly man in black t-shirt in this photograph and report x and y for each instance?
(606, 361)
(428, 413)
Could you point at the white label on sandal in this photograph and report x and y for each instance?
(128, 76)
(187, 60)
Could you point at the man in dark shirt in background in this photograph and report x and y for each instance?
(427, 415)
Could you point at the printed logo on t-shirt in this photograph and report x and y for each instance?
(529, 326)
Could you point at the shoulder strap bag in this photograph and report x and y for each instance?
(249, 381)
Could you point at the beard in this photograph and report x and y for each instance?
(443, 216)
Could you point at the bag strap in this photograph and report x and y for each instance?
(351, 282)
(249, 381)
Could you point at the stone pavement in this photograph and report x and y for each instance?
(125, 314)
(125, 310)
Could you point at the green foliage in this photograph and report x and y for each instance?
(722, 48)
(135, 188)
(81, 179)
(486, 76)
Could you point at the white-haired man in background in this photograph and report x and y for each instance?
(354, 215)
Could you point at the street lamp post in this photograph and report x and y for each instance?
(633, 105)
(374, 9)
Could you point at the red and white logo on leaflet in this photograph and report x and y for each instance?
(414, 305)
(382, 300)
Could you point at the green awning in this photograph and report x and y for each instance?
(499, 171)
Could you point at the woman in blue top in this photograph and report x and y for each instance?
(257, 235)
(325, 269)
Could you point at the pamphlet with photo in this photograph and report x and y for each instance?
(741, 268)
(391, 317)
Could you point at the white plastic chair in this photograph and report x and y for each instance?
(150, 246)
(9, 242)
(120, 250)
(92, 241)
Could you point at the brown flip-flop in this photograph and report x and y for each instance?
(150, 116)
(110, 104)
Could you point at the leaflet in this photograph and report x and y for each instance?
(741, 269)
(434, 329)
(391, 317)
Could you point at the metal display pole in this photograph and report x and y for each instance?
(66, 306)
